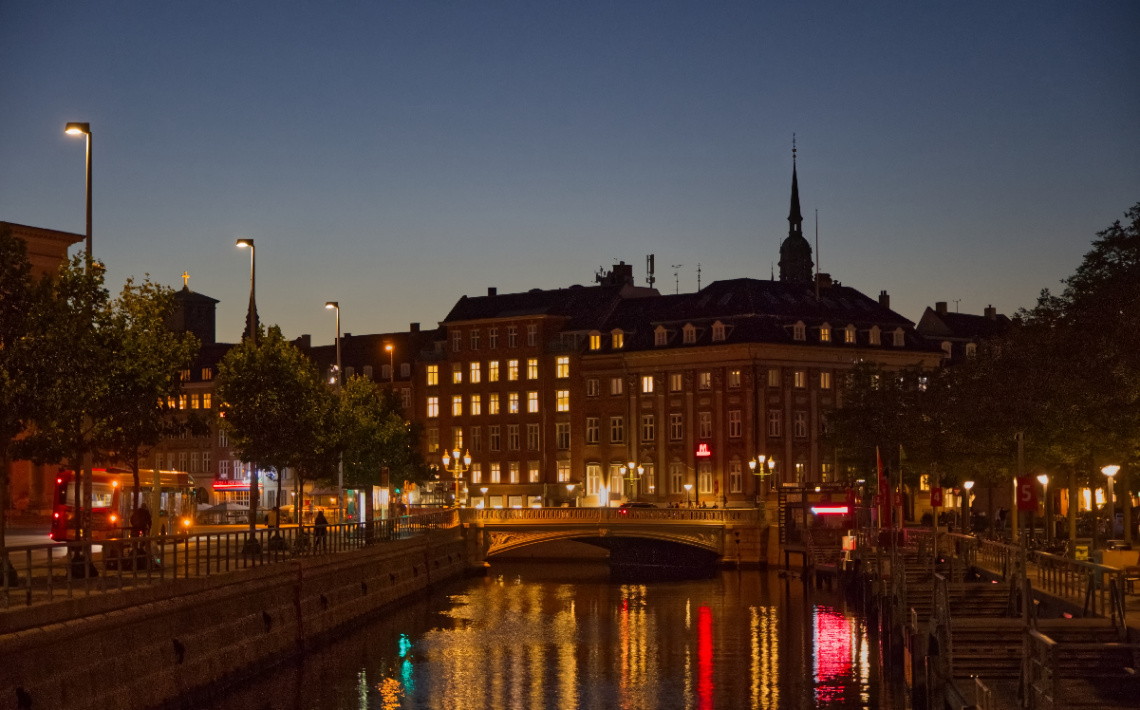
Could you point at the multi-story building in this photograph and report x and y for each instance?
(958, 335)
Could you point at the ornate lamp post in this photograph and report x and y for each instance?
(631, 472)
(456, 471)
(761, 467)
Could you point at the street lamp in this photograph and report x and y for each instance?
(632, 473)
(1043, 479)
(391, 364)
(484, 492)
(84, 129)
(335, 305)
(761, 467)
(570, 492)
(968, 485)
(688, 487)
(251, 317)
(461, 466)
(1110, 471)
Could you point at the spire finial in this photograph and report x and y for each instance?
(793, 147)
(186, 279)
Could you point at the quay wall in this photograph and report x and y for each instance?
(167, 644)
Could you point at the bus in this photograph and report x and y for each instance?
(111, 495)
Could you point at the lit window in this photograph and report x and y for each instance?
(799, 331)
(532, 470)
(493, 371)
(689, 333)
(496, 473)
(773, 378)
(595, 341)
(476, 405)
(512, 370)
(646, 384)
(513, 402)
(592, 428)
(825, 333)
(648, 428)
(676, 427)
(849, 335)
(456, 373)
(532, 368)
(193, 401)
(825, 380)
(457, 405)
(615, 385)
(676, 381)
(433, 406)
(593, 387)
(532, 402)
(206, 400)
(182, 401)
(593, 478)
(456, 341)
(618, 339)
(562, 398)
(476, 473)
(734, 378)
(562, 367)
(704, 477)
(457, 437)
(735, 429)
(207, 374)
(432, 375)
(800, 379)
(476, 373)
(492, 338)
(704, 424)
(512, 336)
(563, 468)
(704, 380)
(493, 403)
(532, 335)
(826, 472)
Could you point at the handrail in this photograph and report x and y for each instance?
(1101, 586)
(607, 515)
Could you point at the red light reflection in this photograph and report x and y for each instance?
(832, 654)
(704, 659)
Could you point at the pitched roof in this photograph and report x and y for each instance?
(584, 307)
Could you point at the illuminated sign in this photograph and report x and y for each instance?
(222, 485)
(703, 451)
(829, 510)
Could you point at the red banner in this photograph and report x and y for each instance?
(936, 497)
(1026, 493)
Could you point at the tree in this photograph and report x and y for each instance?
(270, 396)
(144, 375)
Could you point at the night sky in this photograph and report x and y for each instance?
(395, 156)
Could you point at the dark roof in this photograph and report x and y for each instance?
(962, 325)
(185, 294)
(584, 307)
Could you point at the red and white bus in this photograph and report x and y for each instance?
(111, 494)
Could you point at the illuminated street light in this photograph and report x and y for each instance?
(1043, 479)
(461, 467)
(391, 364)
(759, 470)
(1110, 504)
(335, 305)
(969, 508)
(688, 487)
(84, 129)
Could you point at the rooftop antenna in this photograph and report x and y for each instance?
(956, 302)
(816, 251)
(698, 276)
(651, 279)
(677, 276)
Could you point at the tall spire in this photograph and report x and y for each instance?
(795, 252)
(794, 217)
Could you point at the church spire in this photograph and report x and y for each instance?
(795, 219)
(795, 252)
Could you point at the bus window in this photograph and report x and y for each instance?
(101, 495)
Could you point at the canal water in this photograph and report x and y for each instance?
(570, 635)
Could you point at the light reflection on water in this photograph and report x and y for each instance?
(528, 636)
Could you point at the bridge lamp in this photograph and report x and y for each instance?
(688, 487)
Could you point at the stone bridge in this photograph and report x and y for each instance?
(730, 535)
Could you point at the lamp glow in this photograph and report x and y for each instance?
(1110, 471)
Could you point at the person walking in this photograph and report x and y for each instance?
(320, 529)
(140, 521)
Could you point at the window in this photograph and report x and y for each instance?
(617, 430)
(223, 438)
(849, 335)
(532, 473)
(718, 332)
(646, 384)
(532, 437)
(562, 367)
(689, 334)
(493, 437)
(801, 469)
(825, 380)
(349, 371)
(773, 377)
(456, 373)
(562, 436)
(475, 339)
(532, 335)
(433, 439)
(513, 437)
(476, 439)
(800, 424)
(476, 405)
(433, 406)
(476, 373)
(512, 402)
(704, 425)
(496, 473)
(971, 351)
(512, 370)
(432, 375)
(182, 402)
(562, 400)
(512, 336)
(563, 471)
(615, 385)
(799, 379)
(618, 339)
(649, 478)
(493, 403)
(617, 488)
(592, 429)
(676, 427)
(206, 400)
(774, 422)
(223, 468)
(406, 397)
(405, 369)
(457, 437)
(734, 378)
(704, 380)
(595, 341)
(799, 331)
(705, 477)
(826, 472)
(194, 401)
(947, 348)
(456, 340)
(476, 473)
(875, 335)
(184, 375)
(368, 372)
(492, 338)
(900, 338)
(676, 477)
(660, 336)
(532, 368)
(647, 428)
(593, 387)
(181, 460)
(593, 479)
(385, 372)
(493, 371)
(735, 479)
(457, 405)
(207, 374)
(676, 382)
(195, 461)
(532, 402)
(735, 427)
(825, 333)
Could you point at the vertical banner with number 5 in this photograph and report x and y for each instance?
(1026, 493)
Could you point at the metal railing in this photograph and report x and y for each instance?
(1007, 560)
(46, 573)
(1100, 586)
(686, 516)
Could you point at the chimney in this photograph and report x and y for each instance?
(492, 291)
(884, 299)
(991, 312)
(940, 308)
(414, 327)
(823, 280)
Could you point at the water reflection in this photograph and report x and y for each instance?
(531, 637)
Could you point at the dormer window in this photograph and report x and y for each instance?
(660, 336)
(900, 338)
(690, 334)
(825, 333)
(618, 339)
(875, 335)
(718, 332)
(947, 348)
(595, 341)
(849, 335)
(971, 350)
(799, 331)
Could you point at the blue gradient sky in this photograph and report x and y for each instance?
(395, 156)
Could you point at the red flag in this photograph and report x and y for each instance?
(884, 492)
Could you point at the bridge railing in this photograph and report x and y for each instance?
(594, 516)
(46, 573)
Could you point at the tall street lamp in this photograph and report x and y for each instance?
(76, 129)
(484, 492)
(391, 364)
(334, 305)
(688, 487)
(1043, 479)
(761, 467)
(251, 317)
(968, 485)
(1110, 471)
(461, 466)
(570, 493)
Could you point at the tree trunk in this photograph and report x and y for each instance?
(253, 491)
(76, 504)
(5, 464)
(277, 506)
(135, 496)
(1074, 508)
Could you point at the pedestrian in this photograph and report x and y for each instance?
(140, 521)
(320, 528)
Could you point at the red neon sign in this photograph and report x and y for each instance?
(222, 484)
(829, 510)
(703, 451)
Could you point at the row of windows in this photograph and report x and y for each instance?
(704, 426)
(799, 332)
(190, 401)
(474, 337)
(475, 371)
(385, 371)
(189, 461)
(495, 440)
(704, 382)
(514, 403)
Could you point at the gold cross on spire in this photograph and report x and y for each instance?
(186, 279)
